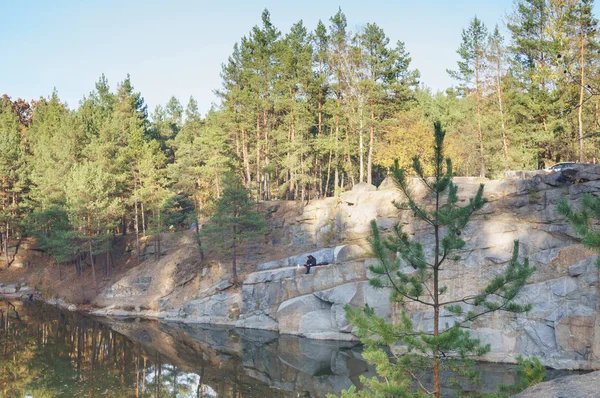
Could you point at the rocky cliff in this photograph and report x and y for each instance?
(562, 328)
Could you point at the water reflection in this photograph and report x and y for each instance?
(45, 352)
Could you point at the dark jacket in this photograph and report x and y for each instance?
(311, 261)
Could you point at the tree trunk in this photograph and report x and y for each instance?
(123, 220)
(328, 175)
(292, 139)
(107, 257)
(371, 143)
(361, 173)
(234, 250)
(318, 178)
(246, 159)
(257, 156)
(479, 129)
(158, 235)
(581, 95)
(320, 125)
(436, 357)
(336, 180)
(267, 189)
(436, 301)
(198, 240)
(6, 244)
(92, 253)
(137, 227)
(499, 94)
(337, 135)
(143, 219)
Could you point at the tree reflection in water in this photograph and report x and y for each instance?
(46, 352)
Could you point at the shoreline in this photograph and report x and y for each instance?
(153, 316)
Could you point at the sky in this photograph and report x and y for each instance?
(177, 47)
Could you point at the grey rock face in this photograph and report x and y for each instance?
(347, 253)
(270, 275)
(220, 306)
(9, 289)
(143, 282)
(583, 266)
(562, 328)
(223, 285)
(580, 386)
(260, 321)
(388, 183)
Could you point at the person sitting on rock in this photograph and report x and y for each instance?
(310, 262)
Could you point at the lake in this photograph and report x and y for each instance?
(48, 352)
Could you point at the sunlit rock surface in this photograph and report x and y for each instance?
(562, 329)
(581, 386)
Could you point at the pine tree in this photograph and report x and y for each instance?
(534, 107)
(234, 221)
(386, 82)
(261, 47)
(55, 140)
(584, 25)
(12, 171)
(88, 196)
(295, 75)
(470, 73)
(421, 286)
(338, 41)
(583, 220)
(319, 92)
(496, 60)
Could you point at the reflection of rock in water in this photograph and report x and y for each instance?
(297, 364)
(286, 363)
(214, 361)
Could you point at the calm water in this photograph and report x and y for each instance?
(46, 352)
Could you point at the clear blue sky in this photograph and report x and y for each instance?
(177, 47)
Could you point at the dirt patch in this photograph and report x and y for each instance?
(179, 273)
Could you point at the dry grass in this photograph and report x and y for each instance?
(63, 281)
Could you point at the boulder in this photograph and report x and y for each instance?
(347, 252)
(584, 266)
(580, 386)
(9, 289)
(25, 289)
(223, 285)
(363, 187)
(260, 321)
(388, 183)
(304, 314)
(357, 192)
(575, 333)
(217, 306)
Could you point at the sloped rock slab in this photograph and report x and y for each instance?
(580, 386)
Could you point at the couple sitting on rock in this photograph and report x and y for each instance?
(312, 262)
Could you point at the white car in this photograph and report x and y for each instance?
(560, 166)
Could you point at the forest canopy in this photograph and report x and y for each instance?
(303, 114)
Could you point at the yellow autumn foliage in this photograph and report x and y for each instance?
(404, 137)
